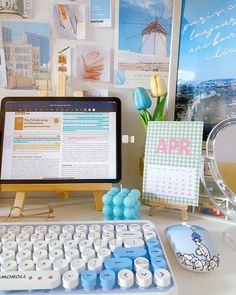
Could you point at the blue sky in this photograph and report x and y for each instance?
(19, 28)
(218, 60)
(135, 15)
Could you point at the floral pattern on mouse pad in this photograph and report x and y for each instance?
(173, 162)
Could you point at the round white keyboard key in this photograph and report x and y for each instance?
(147, 227)
(40, 245)
(28, 229)
(23, 255)
(41, 229)
(81, 228)
(68, 229)
(22, 237)
(8, 237)
(7, 255)
(10, 245)
(103, 253)
(26, 265)
(141, 263)
(87, 254)
(93, 236)
(108, 235)
(3, 230)
(85, 244)
(40, 255)
(143, 278)
(78, 265)
(36, 237)
(61, 265)
(51, 237)
(125, 278)
(55, 244)
(79, 236)
(99, 244)
(162, 278)
(70, 280)
(65, 237)
(133, 243)
(25, 245)
(134, 227)
(114, 243)
(43, 265)
(121, 227)
(72, 254)
(95, 227)
(9, 265)
(54, 229)
(149, 235)
(95, 264)
(56, 254)
(15, 229)
(108, 227)
(70, 244)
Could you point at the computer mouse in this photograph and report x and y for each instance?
(193, 247)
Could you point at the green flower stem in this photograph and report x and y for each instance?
(159, 110)
(142, 119)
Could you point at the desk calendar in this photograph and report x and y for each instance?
(173, 162)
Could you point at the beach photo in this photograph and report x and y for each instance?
(27, 54)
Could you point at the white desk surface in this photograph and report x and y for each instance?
(219, 282)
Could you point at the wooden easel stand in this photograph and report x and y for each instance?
(21, 190)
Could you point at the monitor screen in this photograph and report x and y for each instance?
(60, 140)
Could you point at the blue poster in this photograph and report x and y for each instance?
(100, 13)
(206, 86)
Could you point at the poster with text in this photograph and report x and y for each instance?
(206, 86)
(143, 41)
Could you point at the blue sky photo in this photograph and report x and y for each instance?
(208, 40)
(136, 15)
(19, 28)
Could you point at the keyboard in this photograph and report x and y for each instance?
(84, 258)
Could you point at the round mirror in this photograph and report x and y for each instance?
(225, 155)
(221, 161)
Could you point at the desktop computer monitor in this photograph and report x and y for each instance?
(60, 140)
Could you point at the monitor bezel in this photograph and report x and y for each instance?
(55, 98)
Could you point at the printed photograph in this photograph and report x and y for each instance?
(93, 63)
(3, 74)
(70, 21)
(27, 54)
(16, 8)
(206, 86)
(144, 39)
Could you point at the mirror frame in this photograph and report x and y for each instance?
(210, 160)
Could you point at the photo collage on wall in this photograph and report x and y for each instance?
(28, 46)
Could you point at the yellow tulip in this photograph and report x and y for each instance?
(158, 86)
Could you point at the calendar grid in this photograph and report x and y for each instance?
(157, 184)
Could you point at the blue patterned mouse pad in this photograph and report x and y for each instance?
(173, 162)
